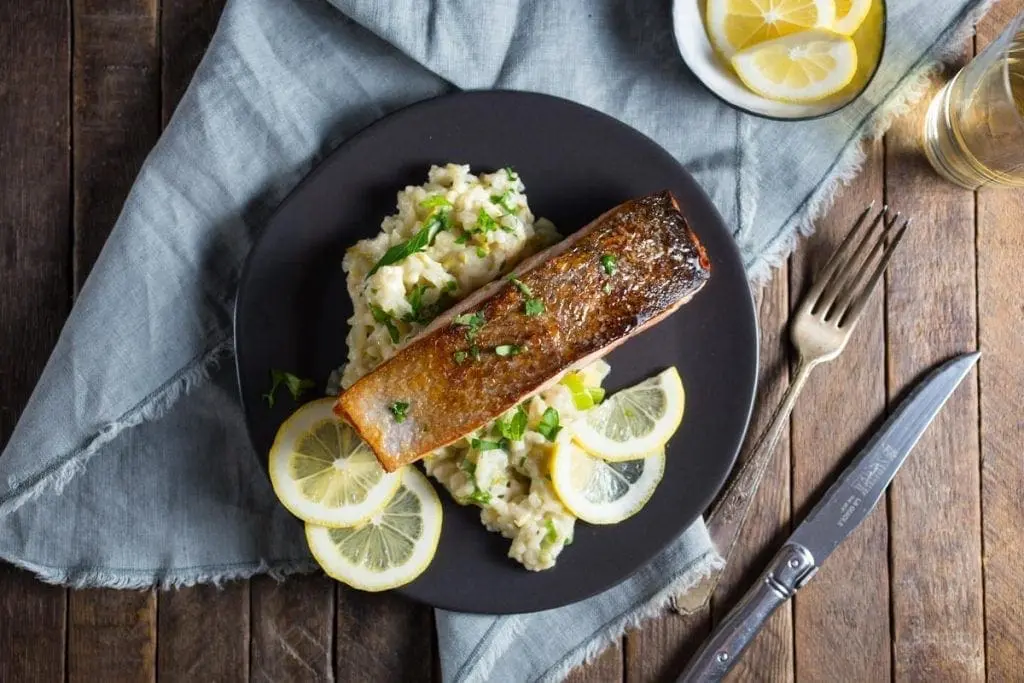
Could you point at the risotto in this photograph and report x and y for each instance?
(450, 236)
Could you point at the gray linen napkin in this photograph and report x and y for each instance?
(135, 485)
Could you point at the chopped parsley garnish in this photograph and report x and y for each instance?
(473, 321)
(527, 292)
(502, 201)
(421, 240)
(482, 252)
(533, 307)
(385, 319)
(474, 352)
(548, 425)
(481, 497)
(552, 535)
(610, 264)
(460, 357)
(400, 409)
(484, 445)
(510, 173)
(421, 313)
(514, 427)
(506, 350)
(462, 239)
(450, 286)
(296, 386)
(484, 222)
(436, 201)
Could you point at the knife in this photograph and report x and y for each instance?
(843, 507)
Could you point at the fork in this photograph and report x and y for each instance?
(819, 331)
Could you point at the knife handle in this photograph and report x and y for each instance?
(791, 568)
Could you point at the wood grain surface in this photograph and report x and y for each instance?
(929, 589)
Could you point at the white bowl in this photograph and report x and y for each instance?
(718, 77)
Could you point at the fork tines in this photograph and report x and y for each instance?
(846, 283)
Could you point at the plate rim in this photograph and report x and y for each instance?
(748, 300)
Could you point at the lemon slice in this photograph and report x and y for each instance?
(602, 492)
(390, 549)
(323, 472)
(637, 420)
(850, 14)
(737, 24)
(802, 67)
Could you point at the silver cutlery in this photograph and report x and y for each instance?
(819, 331)
(841, 510)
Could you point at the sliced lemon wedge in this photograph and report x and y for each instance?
(850, 14)
(391, 548)
(602, 492)
(802, 67)
(734, 25)
(634, 421)
(323, 472)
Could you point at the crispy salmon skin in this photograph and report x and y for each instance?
(625, 271)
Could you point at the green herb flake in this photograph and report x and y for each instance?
(460, 357)
(514, 427)
(450, 286)
(296, 386)
(610, 264)
(502, 200)
(533, 307)
(462, 239)
(506, 350)
(436, 201)
(552, 535)
(468, 466)
(510, 173)
(521, 286)
(484, 222)
(484, 445)
(472, 321)
(474, 352)
(418, 242)
(480, 497)
(481, 252)
(548, 426)
(400, 409)
(384, 318)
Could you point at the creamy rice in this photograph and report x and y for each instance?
(487, 229)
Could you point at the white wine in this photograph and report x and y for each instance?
(974, 130)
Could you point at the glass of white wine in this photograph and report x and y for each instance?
(974, 130)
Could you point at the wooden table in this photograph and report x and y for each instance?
(929, 589)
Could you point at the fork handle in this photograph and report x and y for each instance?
(730, 512)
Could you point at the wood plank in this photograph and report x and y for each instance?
(1000, 293)
(115, 120)
(842, 617)
(938, 631)
(770, 656)
(1000, 244)
(187, 26)
(292, 624)
(660, 649)
(203, 631)
(204, 634)
(605, 669)
(35, 283)
(382, 637)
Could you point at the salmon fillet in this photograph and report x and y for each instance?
(625, 271)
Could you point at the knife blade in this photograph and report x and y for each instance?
(839, 511)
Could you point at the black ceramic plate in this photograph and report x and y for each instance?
(292, 310)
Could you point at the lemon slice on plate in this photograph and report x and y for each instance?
(850, 14)
(323, 472)
(802, 67)
(390, 549)
(637, 420)
(602, 492)
(737, 24)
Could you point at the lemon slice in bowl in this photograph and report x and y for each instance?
(323, 472)
(803, 67)
(391, 548)
(640, 419)
(602, 492)
(734, 25)
(850, 14)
